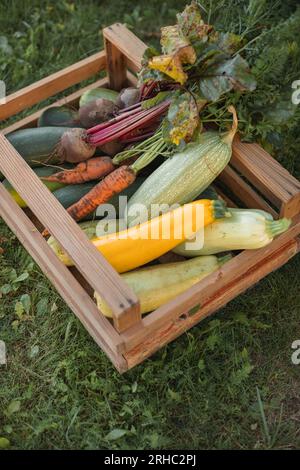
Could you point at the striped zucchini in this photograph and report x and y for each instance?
(182, 177)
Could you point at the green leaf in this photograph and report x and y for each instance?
(34, 351)
(115, 434)
(26, 302)
(13, 407)
(5, 289)
(4, 443)
(19, 309)
(225, 76)
(191, 24)
(42, 306)
(22, 277)
(182, 119)
(175, 396)
(5, 48)
(159, 98)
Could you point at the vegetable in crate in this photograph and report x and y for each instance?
(186, 174)
(145, 242)
(96, 93)
(59, 116)
(246, 229)
(92, 169)
(156, 285)
(38, 145)
(41, 172)
(96, 111)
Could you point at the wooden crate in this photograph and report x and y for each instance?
(129, 339)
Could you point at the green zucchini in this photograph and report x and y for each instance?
(37, 145)
(185, 175)
(39, 171)
(91, 95)
(59, 116)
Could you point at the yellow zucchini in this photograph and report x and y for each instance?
(131, 248)
(156, 285)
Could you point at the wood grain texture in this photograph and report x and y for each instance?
(174, 328)
(209, 287)
(98, 272)
(244, 191)
(70, 100)
(267, 175)
(67, 286)
(116, 66)
(127, 43)
(52, 84)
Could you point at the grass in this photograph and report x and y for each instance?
(227, 383)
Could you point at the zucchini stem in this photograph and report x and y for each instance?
(276, 227)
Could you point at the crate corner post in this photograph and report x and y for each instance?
(115, 61)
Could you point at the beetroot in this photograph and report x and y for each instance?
(97, 111)
(74, 147)
(127, 97)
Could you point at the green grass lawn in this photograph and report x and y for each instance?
(227, 383)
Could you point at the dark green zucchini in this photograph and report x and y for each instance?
(37, 145)
(59, 116)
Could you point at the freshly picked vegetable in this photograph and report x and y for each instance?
(97, 111)
(59, 116)
(92, 169)
(128, 97)
(156, 285)
(186, 174)
(131, 248)
(246, 229)
(98, 93)
(42, 172)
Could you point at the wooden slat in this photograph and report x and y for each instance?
(270, 178)
(127, 43)
(172, 329)
(67, 286)
(244, 192)
(208, 288)
(70, 100)
(116, 65)
(52, 84)
(98, 272)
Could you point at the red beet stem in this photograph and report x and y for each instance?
(120, 129)
(129, 108)
(112, 121)
(145, 118)
(116, 127)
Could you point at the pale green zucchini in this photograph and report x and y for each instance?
(246, 229)
(156, 285)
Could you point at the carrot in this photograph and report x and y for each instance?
(112, 184)
(91, 169)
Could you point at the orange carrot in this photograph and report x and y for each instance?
(91, 169)
(112, 184)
